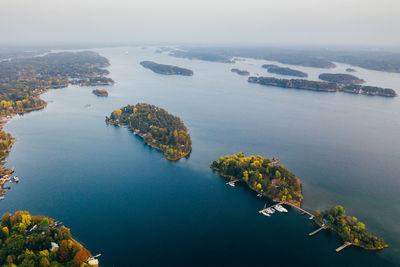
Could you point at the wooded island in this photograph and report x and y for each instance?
(323, 86)
(158, 128)
(262, 175)
(166, 69)
(28, 241)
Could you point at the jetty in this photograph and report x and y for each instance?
(343, 246)
(300, 209)
(323, 227)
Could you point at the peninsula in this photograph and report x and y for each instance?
(241, 72)
(323, 86)
(262, 175)
(166, 69)
(284, 71)
(340, 78)
(349, 228)
(38, 241)
(157, 127)
(100, 92)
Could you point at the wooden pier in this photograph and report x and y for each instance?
(316, 231)
(300, 209)
(343, 246)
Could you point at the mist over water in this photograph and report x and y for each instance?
(124, 200)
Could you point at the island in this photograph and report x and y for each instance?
(202, 55)
(158, 128)
(262, 175)
(350, 70)
(340, 78)
(24, 78)
(352, 231)
(39, 241)
(166, 69)
(270, 179)
(284, 71)
(100, 92)
(241, 72)
(323, 86)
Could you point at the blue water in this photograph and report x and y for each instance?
(124, 200)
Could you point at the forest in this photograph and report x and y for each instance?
(349, 228)
(158, 128)
(340, 78)
(22, 80)
(262, 175)
(166, 69)
(28, 241)
(284, 71)
(323, 86)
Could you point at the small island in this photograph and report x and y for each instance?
(284, 71)
(262, 175)
(100, 92)
(39, 241)
(349, 228)
(241, 72)
(166, 69)
(350, 70)
(157, 127)
(340, 78)
(323, 86)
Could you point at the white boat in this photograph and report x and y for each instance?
(279, 208)
(265, 213)
(231, 184)
(270, 210)
(259, 195)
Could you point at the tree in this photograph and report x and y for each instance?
(63, 251)
(81, 256)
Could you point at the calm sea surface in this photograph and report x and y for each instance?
(124, 200)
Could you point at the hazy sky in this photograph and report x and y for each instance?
(369, 22)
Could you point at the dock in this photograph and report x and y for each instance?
(261, 211)
(316, 231)
(233, 181)
(300, 209)
(343, 246)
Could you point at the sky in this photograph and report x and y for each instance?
(325, 22)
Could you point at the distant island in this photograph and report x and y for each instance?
(100, 92)
(241, 72)
(262, 175)
(350, 70)
(323, 86)
(202, 55)
(349, 228)
(284, 71)
(157, 127)
(340, 78)
(166, 69)
(39, 241)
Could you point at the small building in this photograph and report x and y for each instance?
(274, 181)
(53, 246)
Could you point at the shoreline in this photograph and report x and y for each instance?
(150, 144)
